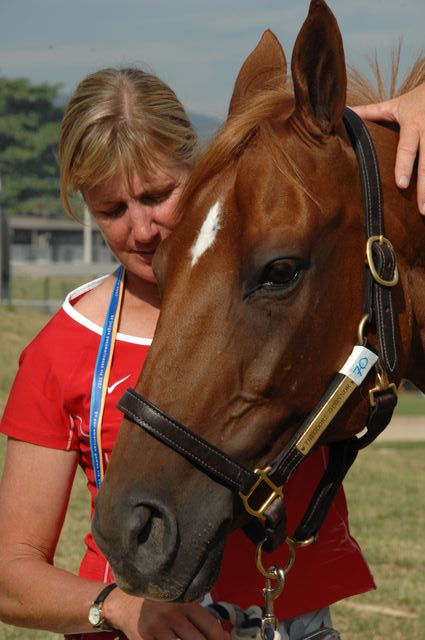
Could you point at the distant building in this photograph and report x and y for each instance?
(43, 240)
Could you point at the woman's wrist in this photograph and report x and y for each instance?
(117, 607)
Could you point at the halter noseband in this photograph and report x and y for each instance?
(262, 490)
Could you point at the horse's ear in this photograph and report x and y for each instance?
(318, 70)
(264, 68)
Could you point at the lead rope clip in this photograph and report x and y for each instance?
(269, 623)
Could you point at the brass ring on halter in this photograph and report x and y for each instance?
(272, 570)
(300, 544)
(360, 331)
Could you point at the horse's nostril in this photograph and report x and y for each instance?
(152, 524)
(139, 520)
(150, 532)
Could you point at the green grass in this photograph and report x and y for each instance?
(385, 496)
(49, 287)
(17, 328)
(410, 403)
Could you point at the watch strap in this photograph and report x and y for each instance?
(105, 592)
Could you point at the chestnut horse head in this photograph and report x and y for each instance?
(262, 288)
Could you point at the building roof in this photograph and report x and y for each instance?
(43, 224)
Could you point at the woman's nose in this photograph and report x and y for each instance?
(143, 225)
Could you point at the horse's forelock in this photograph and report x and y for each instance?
(235, 134)
(253, 123)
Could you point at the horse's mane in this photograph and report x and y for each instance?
(257, 114)
(362, 90)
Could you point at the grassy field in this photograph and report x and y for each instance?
(385, 496)
(387, 515)
(43, 288)
(17, 328)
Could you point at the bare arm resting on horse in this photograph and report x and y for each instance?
(32, 509)
(408, 111)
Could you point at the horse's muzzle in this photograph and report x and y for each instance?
(155, 549)
(138, 535)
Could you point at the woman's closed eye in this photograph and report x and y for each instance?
(116, 210)
(152, 199)
(149, 200)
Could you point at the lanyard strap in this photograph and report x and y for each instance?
(101, 374)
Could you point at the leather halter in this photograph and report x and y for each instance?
(262, 490)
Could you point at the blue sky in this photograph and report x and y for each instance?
(197, 46)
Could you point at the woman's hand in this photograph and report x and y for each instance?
(408, 111)
(141, 619)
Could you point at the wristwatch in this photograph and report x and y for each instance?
(95, 612)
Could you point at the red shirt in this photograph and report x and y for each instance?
(53, 386)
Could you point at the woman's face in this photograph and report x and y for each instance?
(134, 221)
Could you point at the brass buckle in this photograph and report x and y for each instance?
(381, 384)
(382, 240)
(276, 492)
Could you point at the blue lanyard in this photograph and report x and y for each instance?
(101, 374)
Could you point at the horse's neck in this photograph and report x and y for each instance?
(405, 228)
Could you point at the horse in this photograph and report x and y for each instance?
(262, 290)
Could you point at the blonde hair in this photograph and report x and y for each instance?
(119, 121)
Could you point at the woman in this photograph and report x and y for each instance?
(128, 147)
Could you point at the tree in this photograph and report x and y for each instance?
(30, 117)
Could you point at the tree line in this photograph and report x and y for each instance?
(30, 117)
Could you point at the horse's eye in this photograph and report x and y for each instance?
(280, 273)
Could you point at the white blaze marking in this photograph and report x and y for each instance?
(207, 233)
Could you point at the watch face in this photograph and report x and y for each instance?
(94, 615)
